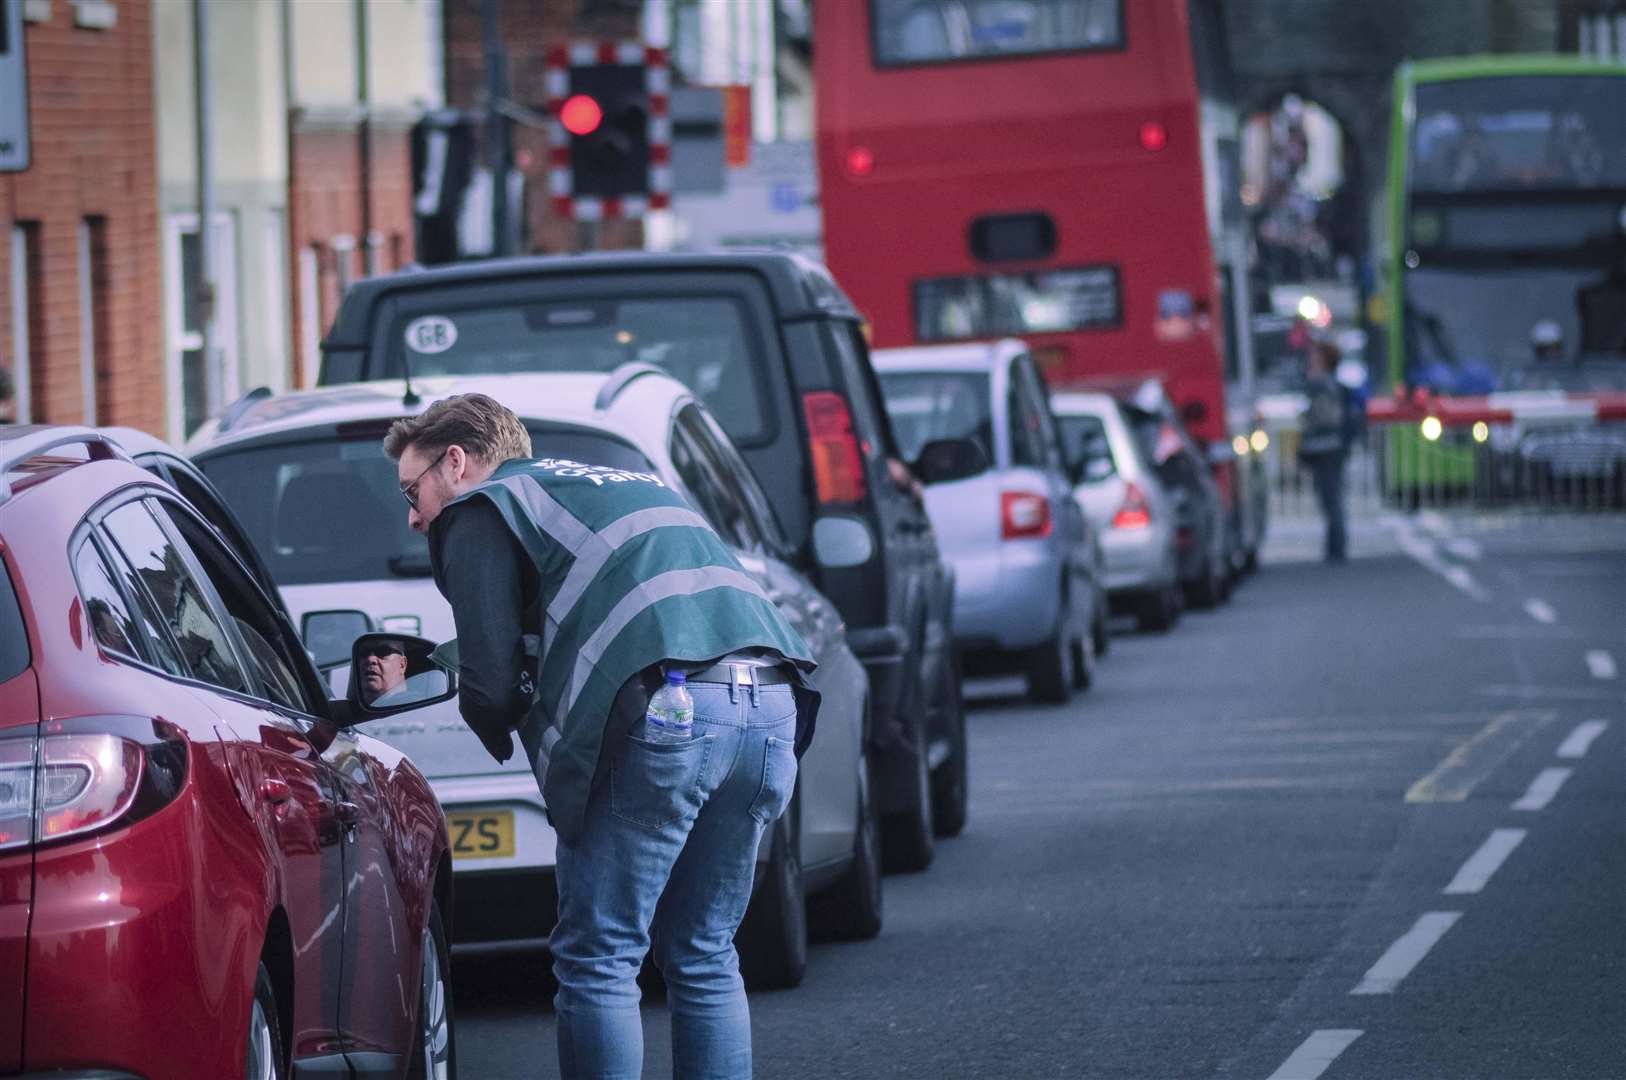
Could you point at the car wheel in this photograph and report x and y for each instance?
(850, 910)
(1050, 668)
(906, 836)
(1159, 612)
(1206, 591)
(772, 939)
(1084, 662)
(950, 785)
(264, 1057)
(1100, 634)
(433, 1056)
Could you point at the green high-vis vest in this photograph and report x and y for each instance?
(631, 575)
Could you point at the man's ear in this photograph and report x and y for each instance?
(458, 459)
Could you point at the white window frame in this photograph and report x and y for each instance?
(87, 326)
(227, 332)
(22, 382)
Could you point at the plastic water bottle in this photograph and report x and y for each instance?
(670, 718)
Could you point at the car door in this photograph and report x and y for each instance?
(297, 811)
(376, 1008)
(726, 492)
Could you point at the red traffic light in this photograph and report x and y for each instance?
(581, 115)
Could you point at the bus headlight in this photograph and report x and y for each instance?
(1260, 441)
(1481, 431)
(1240, 445)
(1432, 428)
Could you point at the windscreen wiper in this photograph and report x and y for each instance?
(411, 566)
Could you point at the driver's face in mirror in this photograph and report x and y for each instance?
(386, 669)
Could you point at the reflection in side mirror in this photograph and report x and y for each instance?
(328, 635)
(1193, 413)
(943, 460)
(391, 673)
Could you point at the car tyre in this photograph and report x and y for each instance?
(1084, 662)
(1208, 591)
(434, 1055)
(951, 792)
(1051, 669)
(906, 836)
(772, 938)
(264, 1057)
(1159, 612)
(1100, 633)
(851, 909)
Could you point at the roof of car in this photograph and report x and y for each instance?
(963, 356)
(800, 286)
(569, 397)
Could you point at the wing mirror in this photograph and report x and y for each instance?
(391, 673)
(943, 460)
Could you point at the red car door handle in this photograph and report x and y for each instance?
(275, 792)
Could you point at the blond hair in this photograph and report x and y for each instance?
(487, 430)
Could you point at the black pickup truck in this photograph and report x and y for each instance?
(776, 350)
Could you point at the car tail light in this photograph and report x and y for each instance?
(1135, 513)
(1024, 515)
(69, 784)
(838, 468)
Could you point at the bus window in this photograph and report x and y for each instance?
(927, 31)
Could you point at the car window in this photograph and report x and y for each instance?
(741, 479)
(182, 603)
(14, 654)
(586, 446)
(160, 649)
(1027, 436)
(707, 342)
(1039, 405)
(257, 623)
(208, 505)
(105, 607)
(863, 392)
(1084, 439)
(701, 473)
(930, 405)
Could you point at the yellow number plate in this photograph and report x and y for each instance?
(481, 834)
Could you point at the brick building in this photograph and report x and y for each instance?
(80, 300)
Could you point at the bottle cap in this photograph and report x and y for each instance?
(677, 678)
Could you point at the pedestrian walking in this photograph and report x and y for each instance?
(1324, 443)
(577, 592)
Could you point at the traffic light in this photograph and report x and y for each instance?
(606, 120)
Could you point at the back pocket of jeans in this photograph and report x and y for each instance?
(658, 784)
(778, 780)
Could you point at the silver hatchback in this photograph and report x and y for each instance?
(1025, 560)
(1125, 501)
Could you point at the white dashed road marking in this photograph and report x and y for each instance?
(1477, 871)
(1601, 664)
(1540, 610)
(1543, 788)
(1317, 1052)
(1406, 953)
(1580, 740)
(1464, 548)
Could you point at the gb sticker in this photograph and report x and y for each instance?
(431, 334)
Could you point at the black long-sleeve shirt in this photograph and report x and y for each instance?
(496, 597)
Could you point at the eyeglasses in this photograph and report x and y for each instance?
(410, 492)
(382, 651)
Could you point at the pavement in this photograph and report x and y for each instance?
(1367, 820)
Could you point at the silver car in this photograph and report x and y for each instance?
(305, 474)
(1133, 514)
(1026, 595)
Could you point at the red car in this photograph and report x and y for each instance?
(204, 871)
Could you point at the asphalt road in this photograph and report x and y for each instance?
(1321, 824)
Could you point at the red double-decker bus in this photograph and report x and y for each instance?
(1059, 170)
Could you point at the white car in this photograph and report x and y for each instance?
(306, 475)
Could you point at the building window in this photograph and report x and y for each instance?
(25, 277)
(206, 384)
(96, 334)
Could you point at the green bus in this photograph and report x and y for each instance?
(1507, 241)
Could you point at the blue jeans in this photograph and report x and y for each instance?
(1327, 470)
(668, 857)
